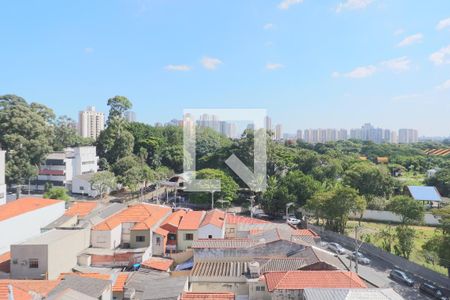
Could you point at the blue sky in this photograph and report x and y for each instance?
(328, 63)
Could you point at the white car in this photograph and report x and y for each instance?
(293, 221)
(336, 248)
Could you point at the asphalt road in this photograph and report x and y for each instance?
(377, 274)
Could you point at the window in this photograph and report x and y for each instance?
(140, 238)
(188, 236)
(158, 241)
(210, 236)
(81, 188)
(33, 263)
(260, 288)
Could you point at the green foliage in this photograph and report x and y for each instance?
(387, 237)
(228, 187)
(26, 134)
(67, 136)
(117, 106)
(405, 237)
(441, 180)
(58, 193)
(103, 182)
(409, 210)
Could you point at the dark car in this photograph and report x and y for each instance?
(431, 290)
(401, 276)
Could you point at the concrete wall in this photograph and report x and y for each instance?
(84, 187)
(387, 216)
(158, 248)
(28, 224)
(207, 287)
(108, 239)
(20, 256)
(85, 160)
(63, 253)
(214, 231)
(182, 243)
(135, 244)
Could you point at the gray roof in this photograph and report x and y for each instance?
(49, 237)
(351, 294)
(314, 255)
(165, 288)
(92, 287)
(58, 222)
(69, 294)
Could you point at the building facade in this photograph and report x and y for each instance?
(407, 136)
(91, 122)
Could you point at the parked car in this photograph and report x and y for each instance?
(336, 248)
(293, 221)
(431, 290)
(401, 276)
(361, 258)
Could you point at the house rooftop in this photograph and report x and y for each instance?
(92, 287)
(144, 215)
(192, 220)
(300, 280)
(207, 296)
(165, 288)
(173, 221)
(49, 237)
(214, 217)
(351, 294)
(236, 219)
(24, 205)
(157, 263)
(81, 209)
(23, 287)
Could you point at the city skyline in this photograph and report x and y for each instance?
(306, 73)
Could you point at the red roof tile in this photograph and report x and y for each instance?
(157, 263)
(81, 209)
(5, 260)
(144, 215)
(173, 221)
(235, 219)
(214, 217)
(102, 276)
(305, 232)
(192, 220)
(41, 287)
(299, 280)
(24, 205)
(161, 231)
(207, 296)
(17, 293)
(121, 279)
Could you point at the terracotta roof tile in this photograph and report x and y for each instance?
(207, 296)
(144, 215)
(235, 219)
(102, 276)
(24, 205)
(305, 232)
(161, 231)
(299, 280)
(17, 293)
(41, 287)
(214, 217)
(173, 221)
(81, 209)
(192, 220)
(157, 263)
(5, 260)
(119, 284)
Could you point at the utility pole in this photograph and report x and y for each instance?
(357, 247)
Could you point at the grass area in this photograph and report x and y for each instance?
(412, 178)
(423, 234)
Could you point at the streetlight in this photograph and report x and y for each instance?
(252, 202)
(212, 199)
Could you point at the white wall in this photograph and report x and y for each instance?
(209, 229)
(17, 229)
(108, 239)
(2, 178)
(77, 183)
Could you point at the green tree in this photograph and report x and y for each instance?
(440, 244)
(103, 182)
(387, 237)
(405, 237)
(26, 134)
(117, 106)
(302, 186)
(316, 204)
(228, 187)
(441, 180)
(409, 210)
(67, 136)
(58, 193)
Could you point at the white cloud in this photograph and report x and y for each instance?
(412, 39)
(268, 26)
(286, 3)
(406, 97)
(177, 68)
(397, 64)
(443, 24)
(441, 57)
(352, 5)
(399, 31)
(444, 86)
(273, 66)
(357, 73)
(88, 50)
(210, 63)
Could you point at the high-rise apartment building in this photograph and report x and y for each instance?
(299, 135)
(268, 123)
(91, 122)
(278, 132)
(130, 116)
(407, 136)
(342, 135)
(2, 177)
